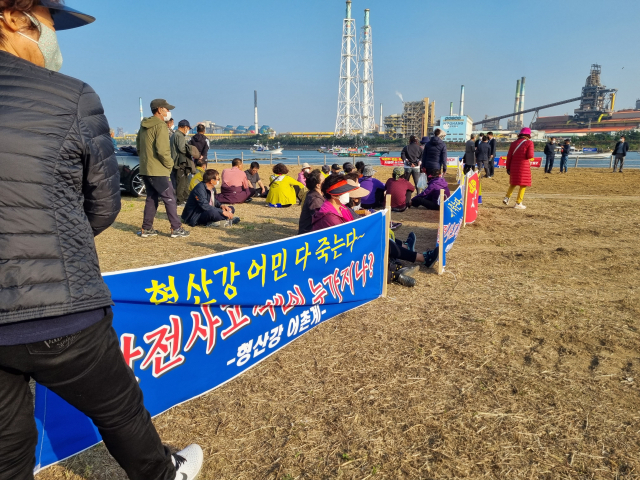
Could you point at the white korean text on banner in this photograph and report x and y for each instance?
(453, 218)
(188, 327)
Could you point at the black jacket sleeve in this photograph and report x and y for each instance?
(101, 178)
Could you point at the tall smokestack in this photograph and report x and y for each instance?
(516, 106)
(462, 100)
(522, 99)
(255, 110)
(381, 125)
(451, 109)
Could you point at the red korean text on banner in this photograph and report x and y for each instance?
(471, 210)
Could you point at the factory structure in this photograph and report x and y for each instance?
(417, 118)
(595, 113)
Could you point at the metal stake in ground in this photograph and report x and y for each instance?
(441, 235)
(387, 223)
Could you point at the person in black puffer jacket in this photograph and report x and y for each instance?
(434, 156)
(59, 187)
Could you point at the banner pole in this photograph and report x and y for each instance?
(441, 235)
(387, 222)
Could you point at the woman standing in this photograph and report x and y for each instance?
(519, 166)
(283, 190)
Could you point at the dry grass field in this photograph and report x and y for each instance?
(521, 361)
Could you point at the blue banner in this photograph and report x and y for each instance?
(453, 218)
(188, 327)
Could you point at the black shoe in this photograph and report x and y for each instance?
(179, 233)
(431, 257)
(148, 233)
(403, 277)
(235, 221)
(248, 200)
(411, 242)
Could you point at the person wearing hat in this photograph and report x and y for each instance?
(336, 191)
(411, 156)
(335, 169)
(400, 190)
(183, 165)
(519, 158)
(156, 166)
(348, 167)
(375, 199)
(306, 168)
(434, 155)
(59, 188)
(326, 170)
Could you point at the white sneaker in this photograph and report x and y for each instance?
(188, 462)
(519, 206)
(505, 200)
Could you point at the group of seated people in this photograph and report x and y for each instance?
(329, 196)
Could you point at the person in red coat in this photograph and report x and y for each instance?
(519, 166)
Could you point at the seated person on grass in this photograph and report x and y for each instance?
(235, 187)
(312, 202)
(284, 190)
(254, 179)
(335, 169)
(203, 208)
(348, 167)
(400, 190)
(375, 199)
(360, 168)
(430, 197)
(201, 166)
(326, 170)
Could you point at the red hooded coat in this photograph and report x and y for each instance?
(518, 162)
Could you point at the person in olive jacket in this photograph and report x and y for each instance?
(59, 188)
(156, 165)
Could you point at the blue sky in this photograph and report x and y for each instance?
(207, 57)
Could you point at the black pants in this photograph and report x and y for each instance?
(86, 369)
(379, 200)
(412, 172)
(182, 183)
(423, 202)
(257, 192)
(397, 251)
(213, 215)
(490, 168)
(548, 164)
(619, 158)
(159, 187)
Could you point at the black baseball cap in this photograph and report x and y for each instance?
(184, 123)
(65, 18)
(335, 166)
(161, 103)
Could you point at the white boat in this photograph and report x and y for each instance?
(584, 153)
(260, 149)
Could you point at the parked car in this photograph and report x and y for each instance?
(129, 166)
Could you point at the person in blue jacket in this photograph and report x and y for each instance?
(434, 155)
(202, 208)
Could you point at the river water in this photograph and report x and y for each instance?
(291, 157)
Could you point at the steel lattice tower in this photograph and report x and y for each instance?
(349, 119)
(366, 54)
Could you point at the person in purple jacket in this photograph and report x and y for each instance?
(375, 199)
(429, 198)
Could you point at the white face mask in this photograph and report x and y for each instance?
(167, 117)
(344, 198)
(48, 45)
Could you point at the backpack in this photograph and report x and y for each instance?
(195, 153)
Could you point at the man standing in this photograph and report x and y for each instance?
(483, 153)
(183, 165)
(411, 155)
(201, 142)
(492, 157)
(566, 149)
(59, 188)
(155, 168)
(622, 147)
(235, 186)
(170, 127)
(470, 154)
(550, 152)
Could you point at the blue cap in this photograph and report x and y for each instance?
(65, 18)
(424, 140)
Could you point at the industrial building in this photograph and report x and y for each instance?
(417, 118)
(457, 127)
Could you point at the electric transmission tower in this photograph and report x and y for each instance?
(349, 119)
(366, 54)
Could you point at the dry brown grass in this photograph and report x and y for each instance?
(522, 361)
